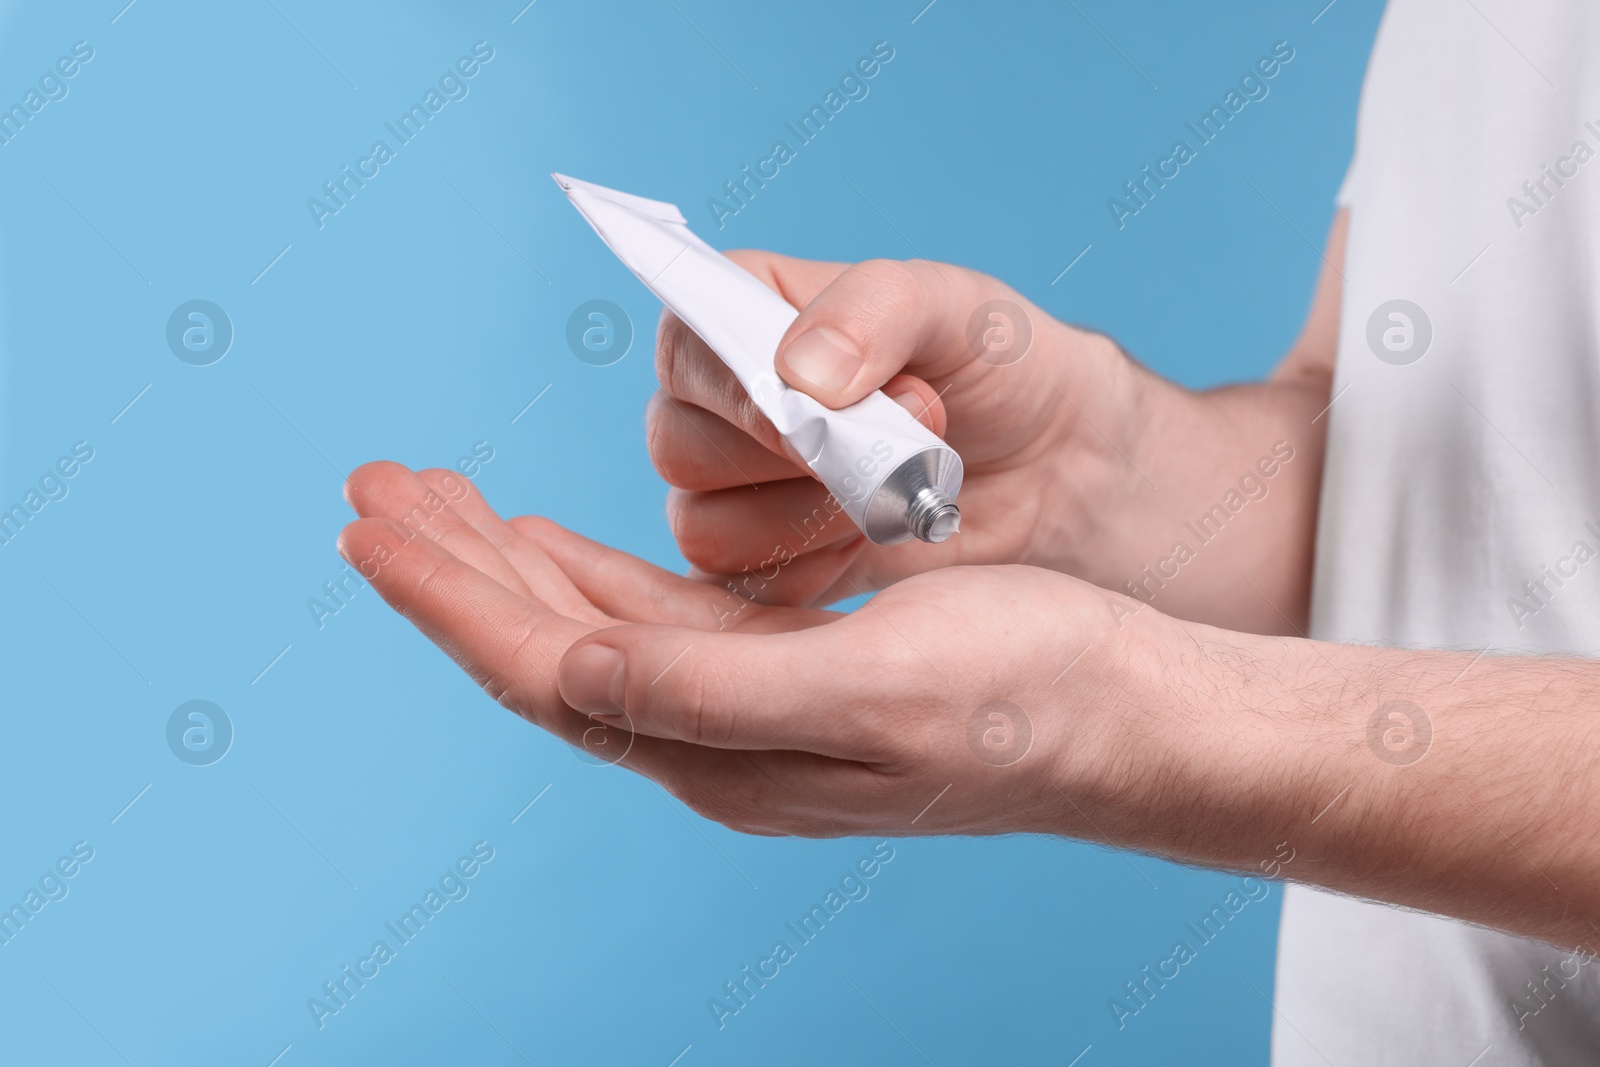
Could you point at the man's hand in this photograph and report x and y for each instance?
(970, 700)
(975, 361)
(1004, 699)
(1077, 459)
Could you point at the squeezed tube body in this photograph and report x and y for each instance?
(892, 476)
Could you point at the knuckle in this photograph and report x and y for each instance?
(890, 288)
(697, 532)
(671, 453)
(532, 525)
(874, 301)
(883, 273)
(689, 371)
(672, 340)
(656, 440)
(712, 716)
(499, 691)
(680, 503)
(689, 697)
(434, 585)
(532, 648)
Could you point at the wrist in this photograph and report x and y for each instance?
(1098, 464)
(1195, 747)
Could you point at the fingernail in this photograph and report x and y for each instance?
(595, 685)
(910, 400)
(824, 359)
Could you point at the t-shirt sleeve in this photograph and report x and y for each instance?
(1347, 187)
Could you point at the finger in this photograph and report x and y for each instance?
(689, 371)
(925, 403)
(693, 448)
(800, 690)
(391, 491)
(879, 318)
(796, 280)
(626, 587)
(509, 645)
(726, 531)
(512, 647)
(542, 575)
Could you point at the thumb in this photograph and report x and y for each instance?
(877, 319)
(725, 690)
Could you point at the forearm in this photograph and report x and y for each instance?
(1163, 460)
(1202, 504)
(1449, 782)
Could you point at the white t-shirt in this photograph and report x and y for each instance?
(1462, 476)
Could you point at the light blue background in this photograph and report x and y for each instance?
(409, 328)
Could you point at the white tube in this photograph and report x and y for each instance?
(891, 475)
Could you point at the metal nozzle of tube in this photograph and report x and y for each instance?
(934, 517)
(917, 499)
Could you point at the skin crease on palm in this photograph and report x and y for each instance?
(1206, 732)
